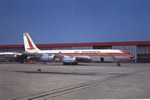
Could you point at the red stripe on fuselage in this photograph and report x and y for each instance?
(96, 54)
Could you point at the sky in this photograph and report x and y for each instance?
(74, 21)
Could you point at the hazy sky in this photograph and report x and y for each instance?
(64, 21)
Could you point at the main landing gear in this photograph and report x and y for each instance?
(118, 64)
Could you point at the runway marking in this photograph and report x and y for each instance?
(61, 91)
(65, 90)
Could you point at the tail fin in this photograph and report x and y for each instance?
(29, 44)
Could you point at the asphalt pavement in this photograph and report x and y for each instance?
(53, 81)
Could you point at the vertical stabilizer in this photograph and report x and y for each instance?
(29, 44)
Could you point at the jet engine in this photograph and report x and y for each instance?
(46, 57)
(68, 60)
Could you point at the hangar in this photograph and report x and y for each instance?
(140, 49)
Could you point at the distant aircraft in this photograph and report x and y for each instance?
(74, 56)
(7, 56)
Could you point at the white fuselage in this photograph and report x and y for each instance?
(94, 55)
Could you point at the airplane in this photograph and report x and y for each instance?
(7, 56)
(73, 57)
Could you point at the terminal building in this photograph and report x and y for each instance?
(140, 49)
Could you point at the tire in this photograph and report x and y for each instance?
(64, 63)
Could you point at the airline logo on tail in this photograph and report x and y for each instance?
(29, 42)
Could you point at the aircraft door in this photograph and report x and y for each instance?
(101, 59)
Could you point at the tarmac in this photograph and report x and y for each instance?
(54, 81)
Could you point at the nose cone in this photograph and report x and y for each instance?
(131, 56)
(127, 54)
